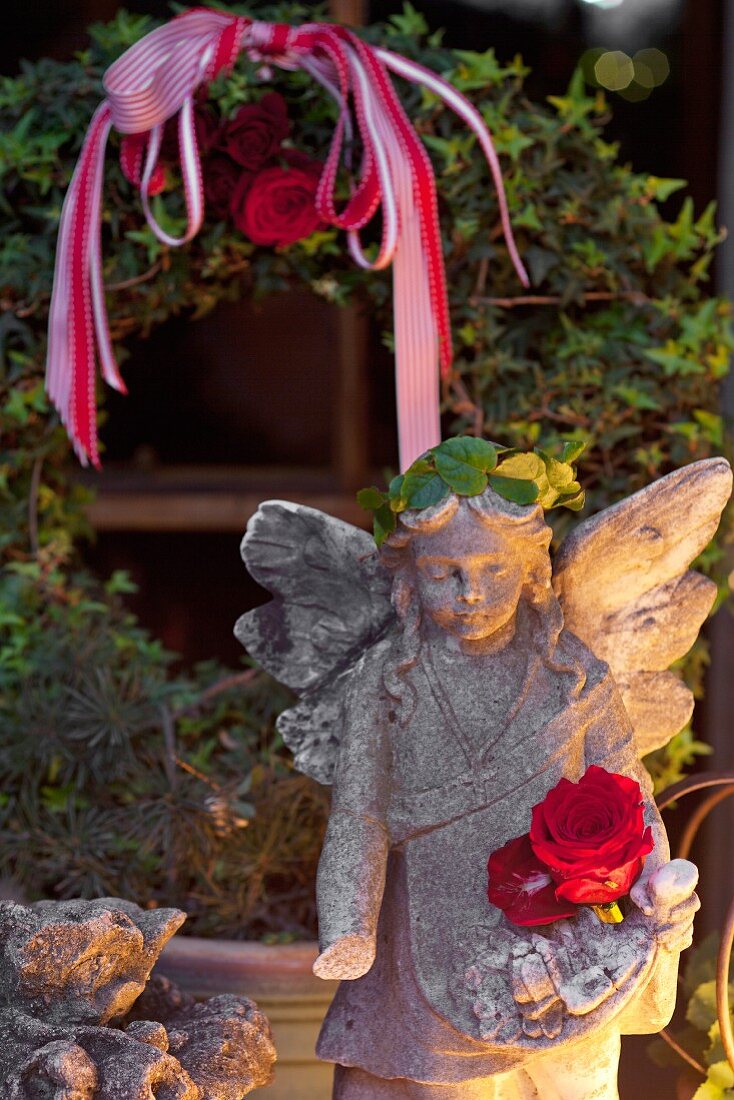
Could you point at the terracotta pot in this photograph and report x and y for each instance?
(280, 979)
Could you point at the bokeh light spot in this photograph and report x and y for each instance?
(588, 62)
(643, 74)
(635, 92)
(615, 70)
(652, 68)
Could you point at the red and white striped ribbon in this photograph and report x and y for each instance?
(155, 80)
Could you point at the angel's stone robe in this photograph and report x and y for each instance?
(488, 737)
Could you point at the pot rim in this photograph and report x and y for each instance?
(206, 967)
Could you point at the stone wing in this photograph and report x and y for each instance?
(331, 601)
(623, 581)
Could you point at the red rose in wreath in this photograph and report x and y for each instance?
(278, 207)
(255, 133)
(586, 846)
(222, 177)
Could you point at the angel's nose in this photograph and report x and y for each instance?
(470, 590)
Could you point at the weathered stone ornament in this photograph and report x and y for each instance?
(447, 683)
(78, 1022)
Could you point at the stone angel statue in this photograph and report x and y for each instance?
(446, 682)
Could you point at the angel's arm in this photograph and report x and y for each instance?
(351, 876)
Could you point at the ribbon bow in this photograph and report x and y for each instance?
(156, 79)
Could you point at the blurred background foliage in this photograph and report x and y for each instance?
(698, 1033)
(121, 774)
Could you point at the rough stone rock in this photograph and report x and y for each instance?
(78, 962)
(74, 1026)
(225, 1045)
(223, 1042)
(160, 1000)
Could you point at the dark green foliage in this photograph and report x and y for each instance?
(466, 465)
(119, 777)
(617, 346)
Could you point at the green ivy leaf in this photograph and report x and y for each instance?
(525, 466)
(384, 523)
(477, 70)
(16, 407)
(715, 1051)
(371, 498)
(701, 1011)
(120, 582)
(528, 218)
(701, 964)
(719, 1083)
(515, 489)
(465, 481)
(464, 463)
(636, 398)
(575, 503)
(395, 494)
(572, 449)
(709, 1091)
(661, 189)
(423, 488)
(410, 22)
(560, 474)
(712, 426)
(479, 453)
(510, 140)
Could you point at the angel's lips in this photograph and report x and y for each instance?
(591, 836)
(522, 887)
(478, 622)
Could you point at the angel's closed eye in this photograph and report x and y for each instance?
(437, 572)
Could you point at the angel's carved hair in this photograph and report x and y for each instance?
(525, 528)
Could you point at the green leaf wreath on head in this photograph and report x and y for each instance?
(466, 466)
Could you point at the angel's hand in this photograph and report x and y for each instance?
(348, 958)
(667, 897)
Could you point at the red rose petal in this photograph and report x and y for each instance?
(602, 887)
(522, 888)
(253, 136)
(279, 207)
(222, 178)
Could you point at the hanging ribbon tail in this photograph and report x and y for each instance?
(77, 315)
(154, 81)
(150, 83)
(421, 318)
(462, 107)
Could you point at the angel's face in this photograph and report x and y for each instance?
(468, 577)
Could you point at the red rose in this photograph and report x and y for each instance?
(522, 887)
(207, 126)
(254, 135)
(591, 836)
(133, 150)
(294, 158)
(238, 196)
(221, 179)
(279, 207)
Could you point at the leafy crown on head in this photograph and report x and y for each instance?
(466, 466)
